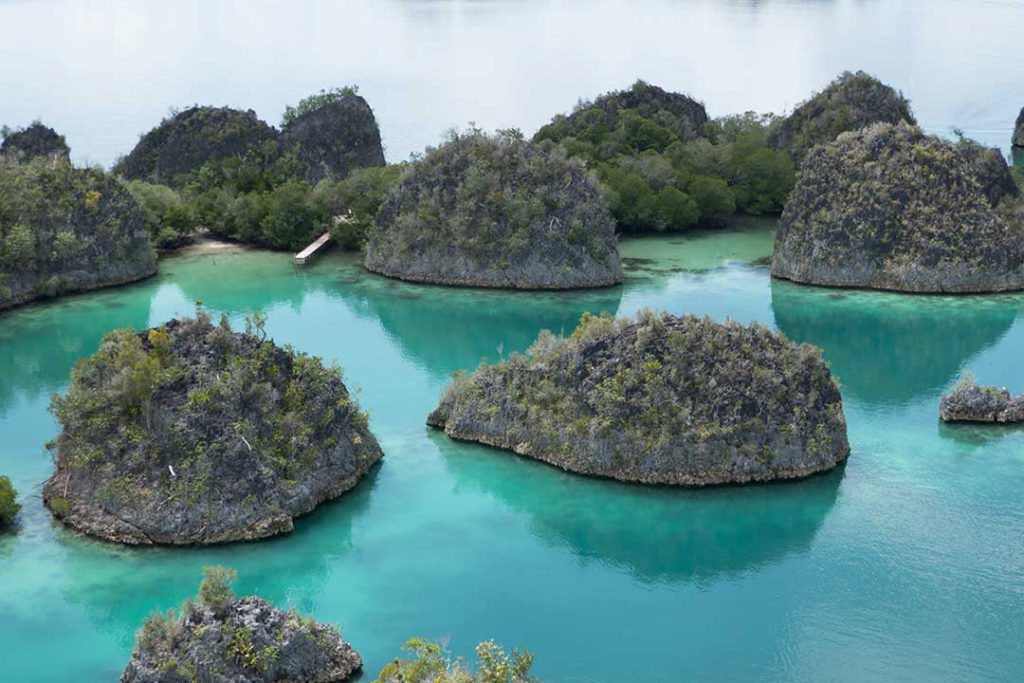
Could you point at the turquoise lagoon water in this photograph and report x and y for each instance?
(905, 565)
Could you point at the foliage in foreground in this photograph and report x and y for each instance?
(8, 505)
(432, 663)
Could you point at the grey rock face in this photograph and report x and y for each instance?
(217, 437)
(1018, 130)
(969, 402)
(494, 212)
(67, 230)
(664, 400)
(888, 207)
(335, 138)
(36, 141)
(186, 141)
(250, 642)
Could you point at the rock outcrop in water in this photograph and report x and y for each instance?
(8, 503)
(64, 229)
(497, 211)
(221, 637)
(969, 402)
(332, 134)
(192, 434)
(1018, 130)
(850, 102)
(36, 141)
(663, 400)
(889, 207)
(681, 114)
(185, 141)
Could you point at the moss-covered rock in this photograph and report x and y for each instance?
(8, 503)
(663, 400)
(969, 402)
(889, 207)
(185, 141)
(64, 229)
(991, 171)
(333, 133)
(36, 141)
(1018, 130)
(681, 114)
(495, 211)
(220, 637)
(192, 434)
(850, 102)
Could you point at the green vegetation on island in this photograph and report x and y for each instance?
(664, 166)
(8, 503)
(218, 636)
(888, 207)
(495, 211)
(34, 141)
(190, 433)
(65, 229)
(658, 400)
(430, 662)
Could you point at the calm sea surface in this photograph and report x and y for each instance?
(102, 72)
(905, 565)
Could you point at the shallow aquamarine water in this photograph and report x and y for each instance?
(906, 565)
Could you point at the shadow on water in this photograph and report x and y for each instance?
(658, 534)
(888, 347)
(119, 586)
(974, 437)
(445, 329)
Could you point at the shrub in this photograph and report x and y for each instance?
(215, 590)
(8, 505)
(432, 663)
(170, 222)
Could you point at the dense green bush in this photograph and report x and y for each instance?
(8, 507)
(432, 663)
(665, 170)
(170, 221)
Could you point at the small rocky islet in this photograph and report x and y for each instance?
(64, 229)
(657, 400)
(495, 211)
(888, 207)
(218, 636)
(969, 402)
(191, 434)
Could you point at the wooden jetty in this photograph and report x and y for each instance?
(303, 256)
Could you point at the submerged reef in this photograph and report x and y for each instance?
(659, 400)
(190, 433)
(495, 211)
(889, 207)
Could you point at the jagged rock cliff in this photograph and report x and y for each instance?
(192, 434)
(1018, 130)
(889, 207)
(221, 637)
(334, 137)
(991, 171)
(682, 114)
(36, 141)
(191, 138)
(64, 230)
(663, 400)
(498, 211)
(850, 102)
(969, 402)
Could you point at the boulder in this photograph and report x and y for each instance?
(969, 402)
(495, 211)
(221, 637)
(850, 102)
(189, 433)
(334, 133)
(660, 400)
(888, 207)
(189, 139)
(36, 141)
(64, 229)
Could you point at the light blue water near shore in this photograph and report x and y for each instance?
(905, 565)
(105, 71)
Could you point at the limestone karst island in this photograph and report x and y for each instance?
(511, 342)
